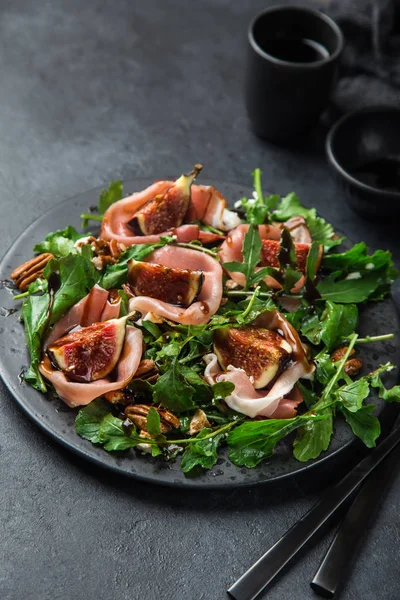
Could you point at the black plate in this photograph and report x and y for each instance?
(55, 418)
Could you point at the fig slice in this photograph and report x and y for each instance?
(175, 286)
(261, 353)
(270, 250)
(90, 353)
(165, 211)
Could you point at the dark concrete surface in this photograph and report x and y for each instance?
(103, 89)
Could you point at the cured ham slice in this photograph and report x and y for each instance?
(80, 394)
(231, 250)
(206, 205)
(209, 206)
(93, 308)
(251, 402)
(211, 292)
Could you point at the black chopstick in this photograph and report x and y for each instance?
(337, 560)
(251, 583)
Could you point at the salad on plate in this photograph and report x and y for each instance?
(183, 326)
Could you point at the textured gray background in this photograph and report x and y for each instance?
(103, 89)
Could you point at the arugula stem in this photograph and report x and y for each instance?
(19, 296)
(90, 217)
(340, 366)
(197, 247)
(257, 184)
(247, 293)
(193, 439)
(375, 338)
(189, 358)
(252, 300)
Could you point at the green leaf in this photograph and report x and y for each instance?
(389, 395)
(257, 209)
(254, 441)
(35, 317)
(114, 437)
(354, 289)
(325, 369)
(251, 250)
(173, 391)
(364, 425)
(202, 452)
(88, 419)
(77, 277)
(60, 243)
(309, 396)
(109, 195)
(352, 395)
(313, 438)
(153, 423)
(290, 206)
(357, 259)
(222, 389)
(338, 321)
(312, 261)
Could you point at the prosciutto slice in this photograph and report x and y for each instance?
(211, 292)
(209, 206)
(93, 308)
(206, 205)
(231, 249)
(275, 401)
(80, 394)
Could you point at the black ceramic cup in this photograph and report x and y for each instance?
(363, 150)
(291, 68)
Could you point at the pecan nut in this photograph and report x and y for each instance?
(137, 413)
(30, 270)
(352, 365)
(338, 354)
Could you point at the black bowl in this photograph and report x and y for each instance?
(363, 150)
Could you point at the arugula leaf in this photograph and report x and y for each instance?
(114, 437)
(290, 206)
(60, 243)
(357, 259)
(77, 277)
(313, 438)
(389, 395)
(251, 257)
(202, 452)
(253, 441)
(88, 420)
(364, 425)
(325, 369)
(35, 318)
(257, 208)
(222, 389)
(336, 322)
(172, 390)
(95, 423)
(109, 195)
(352, 395)
(354, 289)
(153, 423)
(312, 260)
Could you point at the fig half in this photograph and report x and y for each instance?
(175, 286)
(261, 353)
(90, 353)
(165, 211)
(270, 250)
